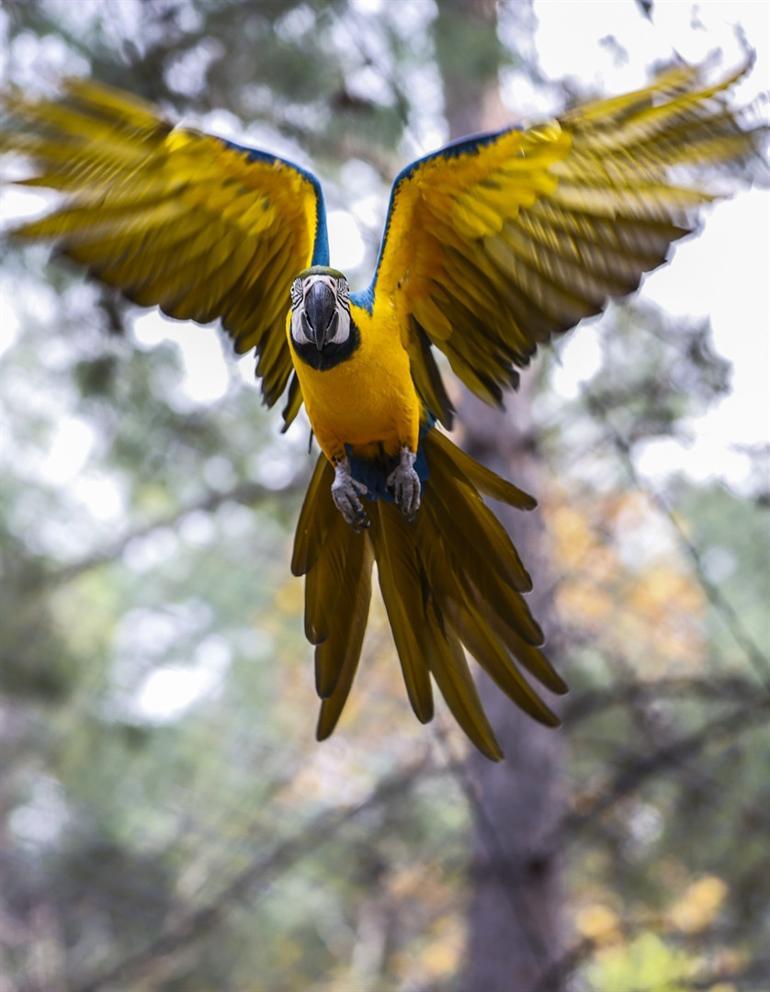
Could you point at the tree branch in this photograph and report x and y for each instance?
(626, 781)
(720, 604)
(264, 869)
(633, 776)
(592, 701)
(245, 493)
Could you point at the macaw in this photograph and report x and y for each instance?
(492, 245)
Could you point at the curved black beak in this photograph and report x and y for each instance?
(320, 309)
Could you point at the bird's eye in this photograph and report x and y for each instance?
(296, 292)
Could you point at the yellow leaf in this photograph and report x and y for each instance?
(597, 923)
(699, 904)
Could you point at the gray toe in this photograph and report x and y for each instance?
(345, 493)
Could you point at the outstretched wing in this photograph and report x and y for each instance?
(195, 224)
(499, 241)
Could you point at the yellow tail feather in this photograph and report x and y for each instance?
(451, 580)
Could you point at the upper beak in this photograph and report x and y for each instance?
(320, 309)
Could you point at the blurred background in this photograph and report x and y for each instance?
(167, 821)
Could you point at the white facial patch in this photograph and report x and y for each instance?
(300, 328)
(342, 331)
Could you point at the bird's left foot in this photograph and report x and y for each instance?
(405, 483)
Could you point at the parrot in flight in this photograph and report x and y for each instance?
(492, 245)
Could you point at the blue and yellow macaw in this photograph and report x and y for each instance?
(491, 246)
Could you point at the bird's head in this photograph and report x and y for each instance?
(320, 313)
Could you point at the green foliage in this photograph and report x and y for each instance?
(645, 964)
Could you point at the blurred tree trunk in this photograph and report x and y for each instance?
(515, 912)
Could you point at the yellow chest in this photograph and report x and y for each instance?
(369, 397)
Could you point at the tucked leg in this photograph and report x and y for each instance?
(405, 483)
(346, 493)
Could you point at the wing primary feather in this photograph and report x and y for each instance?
(293, 403)
(170, 216)
(498, 243)
(426, 375)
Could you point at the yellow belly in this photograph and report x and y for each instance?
(367, 400)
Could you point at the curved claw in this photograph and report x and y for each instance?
(346, 493)
(405, 483)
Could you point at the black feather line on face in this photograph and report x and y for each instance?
(331, 354)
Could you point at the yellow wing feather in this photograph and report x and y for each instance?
(496, 243)
(172, 217)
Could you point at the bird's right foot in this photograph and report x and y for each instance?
(346, 493)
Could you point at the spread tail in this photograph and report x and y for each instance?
(451, 579)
